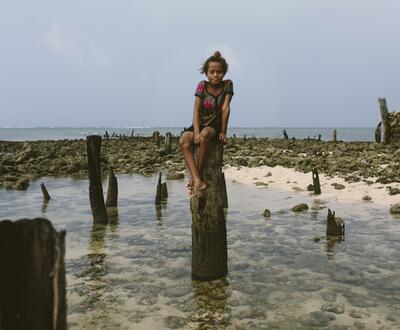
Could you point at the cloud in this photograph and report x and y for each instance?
(75, 47)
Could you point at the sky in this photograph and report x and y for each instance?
(129, 63)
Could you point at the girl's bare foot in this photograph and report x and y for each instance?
(198, 186)
(190, 184)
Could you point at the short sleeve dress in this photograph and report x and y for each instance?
(211, 105)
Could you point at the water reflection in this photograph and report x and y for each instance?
(211, 299)
(331, 241)
(159, 212)
(96, 265)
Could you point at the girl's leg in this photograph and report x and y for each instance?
(206, 134)
(185, 142)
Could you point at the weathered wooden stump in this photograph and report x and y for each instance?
(97, 205)
(209, 243)
(335, 226)
(32, 276)
(316, 184)
(46, 196)
(168, 142)
(156, 137)
(387, 134)
(285, 136)
(224, 192)
(378, 133)
(161, 191)
(112, 191)
(334, 135)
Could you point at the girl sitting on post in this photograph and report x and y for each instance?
(210, 118)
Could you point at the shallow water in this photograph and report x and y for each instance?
(283, 274)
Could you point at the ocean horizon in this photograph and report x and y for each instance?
(61, 133)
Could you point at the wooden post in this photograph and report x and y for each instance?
(224, 192)
(46, 196)
(158, 191)
(334, 135)
(156, 137)
(168, 142)
(387, 134)
(164, 190)
(209, 243)
(106, 135)
(335, 226)
(244, 138)
(132, 133)
(378, 133)
(285, 136)
(112, 191)
(316, 184)
(99, 210)
(32, 276)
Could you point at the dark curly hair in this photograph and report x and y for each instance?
(216, 57)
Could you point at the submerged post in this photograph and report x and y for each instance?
(387, 134)
(99, 210)
(209, 243)
(112, 191)
(32, 276)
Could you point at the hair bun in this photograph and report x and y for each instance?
(217, 54)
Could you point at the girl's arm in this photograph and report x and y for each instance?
(196, 119)
(225, 111)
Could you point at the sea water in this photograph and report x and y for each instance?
(135, 273)
(59, 133)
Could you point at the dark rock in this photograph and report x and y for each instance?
(395, 209)
(299, 207)
(267, 213)
(310, 187)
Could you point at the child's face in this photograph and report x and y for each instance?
(215, 73)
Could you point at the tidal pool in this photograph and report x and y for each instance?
(134, 273)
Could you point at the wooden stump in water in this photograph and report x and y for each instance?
(32, 276)
(387, 134)
(335, 226)
(112, 191)
(46, 196)
(316, 184)
(378, 133)
(99, 210)
(209, 244)
(334, 135)
(224, 192)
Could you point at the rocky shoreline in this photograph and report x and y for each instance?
(21, 162)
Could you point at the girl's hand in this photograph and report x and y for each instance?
(196, 138)
(222, 137)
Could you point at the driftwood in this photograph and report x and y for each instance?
(99, 210)
(46, 196)
(335, 226)
(32, 276)
(387, 134)
(316, 184)
(209, 243)
(112, 191)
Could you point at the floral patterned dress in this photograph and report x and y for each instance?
(211, 105)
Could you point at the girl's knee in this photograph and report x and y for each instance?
(185, 141)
